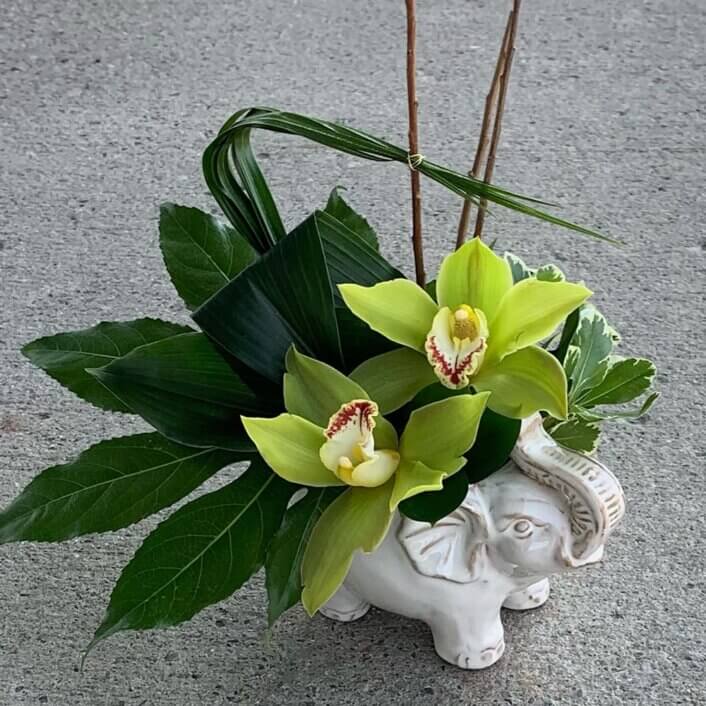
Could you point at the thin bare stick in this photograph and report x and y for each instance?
(504, 81)
(414, 156)
(484, 137)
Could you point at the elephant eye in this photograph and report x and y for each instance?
(522, 528)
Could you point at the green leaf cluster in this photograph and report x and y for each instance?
(256, 289)
(601, 383)
(193, 387)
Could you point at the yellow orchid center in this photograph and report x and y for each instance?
(466, 323)
(456, 344)
(349, 450)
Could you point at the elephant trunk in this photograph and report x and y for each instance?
(594, 495)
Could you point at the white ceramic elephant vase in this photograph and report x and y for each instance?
(549, 509)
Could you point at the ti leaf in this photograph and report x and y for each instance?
(285, 554)
(577, 434)
(199, 555)
(67, 356)
(348, 257)
(495, 441)
(201, 253)
(110, 485)
(283, 298)
(353, 221)
(567, 333)
(185, 390)
(434, 506)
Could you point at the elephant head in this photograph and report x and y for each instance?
(550, 508)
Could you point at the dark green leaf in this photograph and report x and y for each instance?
(437, 504)
(110, 485)
(283, 298)
(201, 253)
(199, 555)
(567, 333)
(256, 187)
(359, 341)
(231, 146)
(284, 556)
(67, 356)
(494, 442)
(350, 259)
(187, 391)
(353, 221)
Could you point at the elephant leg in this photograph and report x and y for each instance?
(468, 644)
(531, 597)
(345, 606)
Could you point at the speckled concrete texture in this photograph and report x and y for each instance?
(104, 111)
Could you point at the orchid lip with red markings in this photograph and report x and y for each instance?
(456, 345)
(349, 450)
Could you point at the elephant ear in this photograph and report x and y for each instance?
(455, 547)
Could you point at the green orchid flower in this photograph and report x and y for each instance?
(482, 332)
(333, 435)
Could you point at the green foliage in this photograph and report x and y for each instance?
(257, 291)
(110, 485)
(434, 506)
(199, 555)
(284, 555)
(282, 299)
(599, 380)
(577, 433)
(394, 378)
(494, 442)
(185, 390)
(201, 253)
(67, 356)
(246, 200)
(353, 221)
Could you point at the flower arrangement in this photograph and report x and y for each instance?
(351, 392)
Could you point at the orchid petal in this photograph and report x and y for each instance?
(290, 447)
(527, 381)
(455, 360)
(314, 390)
(394, 378)
(349, 434)
(385, 435)
(357, 519)
(474, 275)
(529, 312)
(414, 477)
(377, 470)
(442, 431)
(398, 309)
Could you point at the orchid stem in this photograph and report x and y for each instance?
(495, 140)
(412, 105)
(494, 104)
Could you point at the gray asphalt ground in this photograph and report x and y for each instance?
(104, 111)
